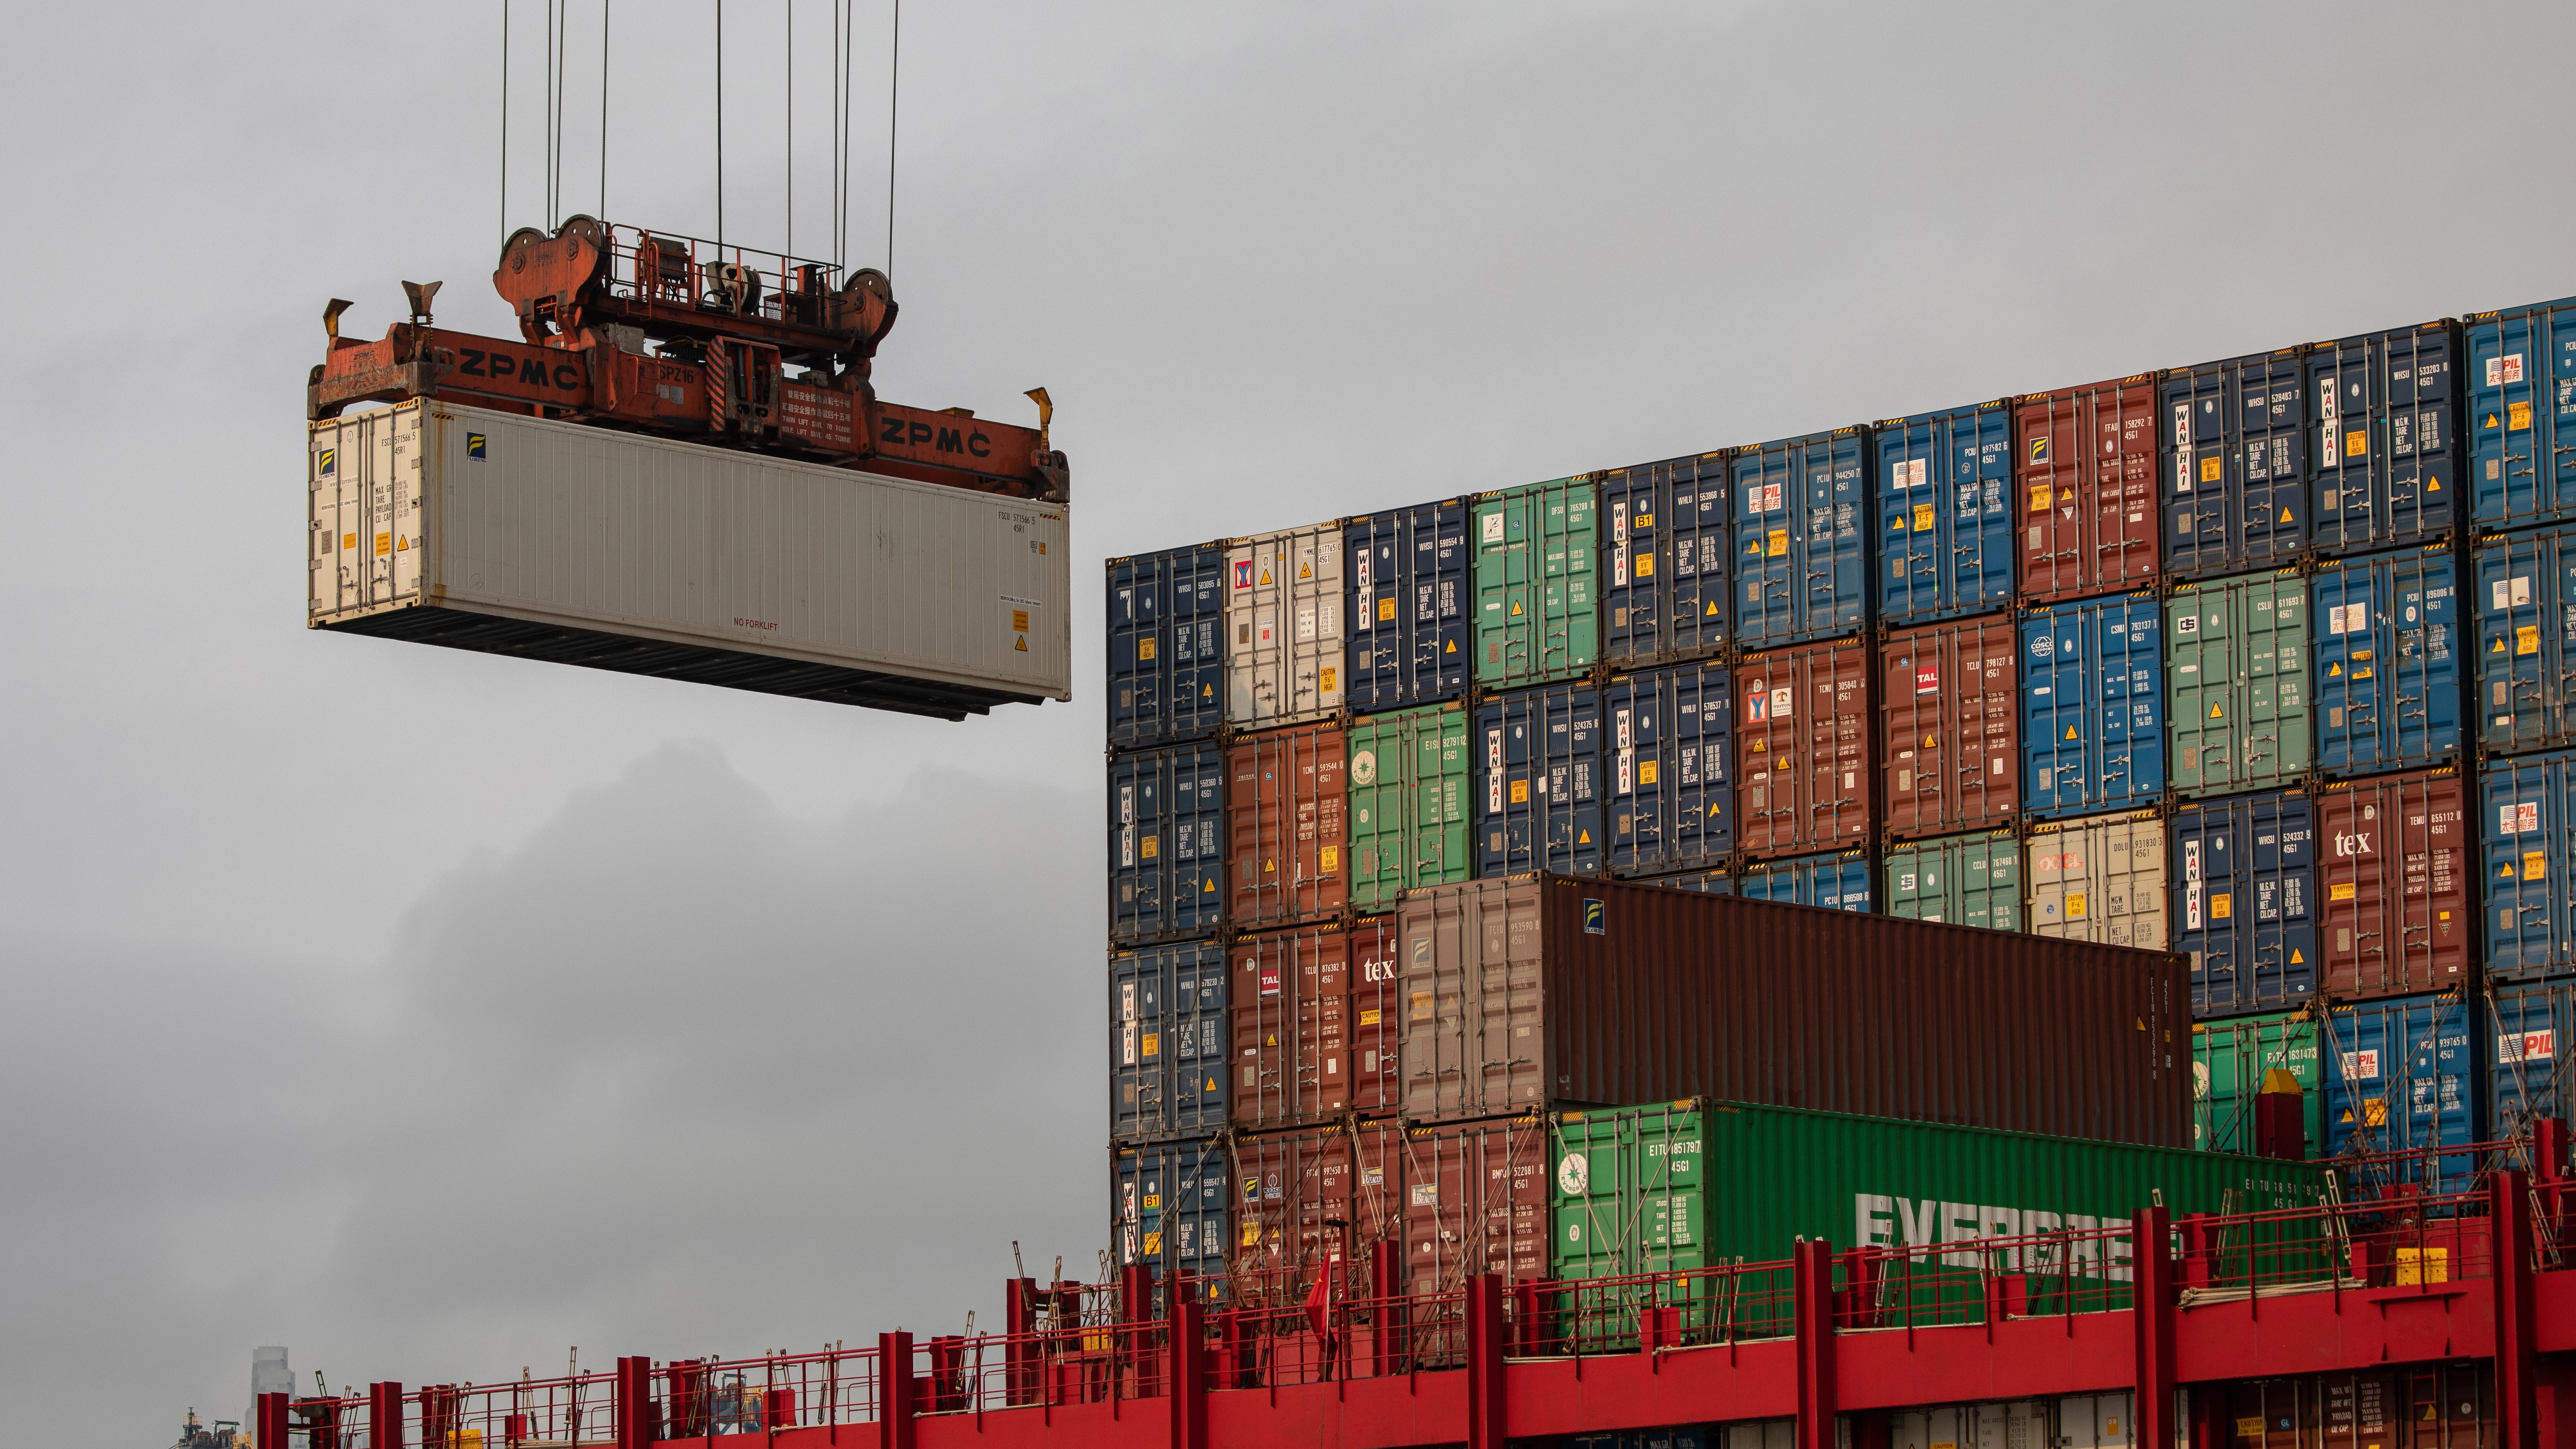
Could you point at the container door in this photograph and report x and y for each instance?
(1634, 573)
(2086, 489)
(1202, 1039)
(1166, 845)
(1916, 880)
(1536, 577)
(1914, 520)
(1836, 574)
(2529, 1023)
(1988, 883)
(1696, 552)
(2101, 881)
(2521, 389)
(2386, 467)
(1768, 588)
(1137, 652)
(1288, 826)
(2396, 867)
(2525, 807)
(2526, 639)
(1379, 610)
(1439, 603)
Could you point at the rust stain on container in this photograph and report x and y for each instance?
(1804, 781)
(2393, 865)
(1540, 991)
(2086, 484)
(1287, 838)
(1950, 734)
(1297, 996)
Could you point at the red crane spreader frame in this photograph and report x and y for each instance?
(729, 322)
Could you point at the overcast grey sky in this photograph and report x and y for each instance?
(429, 1013)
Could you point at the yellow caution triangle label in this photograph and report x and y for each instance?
(1713, 809)
(401, 544)
(1274, 1040)
(2217, 713)
(2505, 871)
(1210, 1087)
(1516, 608)
(1265, 576)
(1208, 889)
(2295, 956)
(1305, 571)
(1712, 608)
(2490, 422)
(1022, 645)
(2070, 732)
(1583, 837)
(1269, 865)
(2499, 647)
(1452, 649)
(2347, 1114)
(2432, 485)
(2332, 670)
(2285, 515)
(1931, 743)
(1753, 547)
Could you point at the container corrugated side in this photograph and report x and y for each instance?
(1168, 1043)
(1968, 880)
(2244, 875)
(2387, 631)
(2523, 586)
(1538, 582)
(1168, 1209)
(1949, 727)
(2236, 676)
(1664, 564)
(2093, 717)
(2526, 815)
(1457, 1198)
(1805, 722)
(1945, 526)
(2085, 485)
(2387, 464)
(2396, 872)
(1166, 843)
(1285, 644)
(1669, 735)
(2521, 389)
(2531, 1026)
(1412, 801)
(2236, 464)
(2405, 1075)
(2099, 879)
(547, 540)
(1624, 989)
(1166, 646)
(1287, 822)
(2229, 1059)
(1410, 586)
(1836, 881)
(1802, 538)
(1538, 770)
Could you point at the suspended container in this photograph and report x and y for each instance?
(2099, 879)
(2406, 1075)
(2245, 901)
(2521, 420)
(2531, 1026)
(1166, 844)
(1950, 709)
(1968, 880)
(509, 534)
(1169, 1043)
(1412, 800)
(2397, 875)
(1293, 994)
(1669, 735)
(1802, 566)
(1538, 581)
(1287, 826)
(1804, 720)
(2237, 672)
(2524, 589)
(1838, 881)
(1408, 606)
(1664, 570)
(1283, 617)
(2236, 464)
(1168, 1210)
(2387, 635)
(1166, 647)
(2526, 811)
(2085, 484)
(2092, 725)
(1540, 771)
(1945, 522)
(2228, 1062)
(2387, 466)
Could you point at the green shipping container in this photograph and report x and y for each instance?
(2228, 1060)
(1410, 781)
(2236, 677)
(1967, 880)
(1682, 1185)
(1538, 592)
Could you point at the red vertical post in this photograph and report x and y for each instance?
(1812, 1310)
(1386, 1285)
(1020, 1357)
(384, 1415)
(897, 1391)
(268, 1423)
(2509, 1221)
(2151, 1273)
(634, 1402)
(1186, 1349)
(1485, 1332)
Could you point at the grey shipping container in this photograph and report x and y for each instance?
(505, 534)
(1542, 991)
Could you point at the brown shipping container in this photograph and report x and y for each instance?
(2087, 485)
(1545, 991)
(1293, 998)
(2396, 877)
(1950, 742)
(1285, 797)
(1377, 1018)
(1802, 733)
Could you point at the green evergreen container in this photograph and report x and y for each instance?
(1410, 797)
(1968, 880)
(2228, 1060)
(1538, 586)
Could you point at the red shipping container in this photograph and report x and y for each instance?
(1376, 1017)
(1292, 996)
(1285, 811)
(1475, 1201)
(2394, 864)
(2086, 481)
(1802, 750)
(1950, 735)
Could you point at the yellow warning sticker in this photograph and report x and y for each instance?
(1922, 518)
(1153, 1243)
(1145, 648)
(2075, 905)
(2356, 444)
(1328, 859)
(2070, 732)
(1305, 572)
(2039, 498)
(2297, 956)
(1209, 887)
(2222, 905)
(402, 545)
(2217, 712)
(1252, 1235)
(1265, 578)
(1150, 846)
(2535, 866)
(2374, 1110)
(348, 540)
(384, 544)
(1520, 792)
(1386, 611)
(1645, 566)
(1516, 608)
(1329, 679)
(2249, 1428)
(1019, 621)
(2334, 670)
(1453, 647)
(2209, 470)
(2285, 515)
(1712, 609)
(1777, 544)
(2342, 890)
(2497, 648)
(1153, 1045)
(1583, 837)
(1269, 866)
(1371, 1016)
(1646, 772)
(2517, 417)
(2526, 640)
(1020, 645)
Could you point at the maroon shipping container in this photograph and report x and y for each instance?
(2087, 484)
(1377, 1018)
(1285, 797)
(1802, 731)
(1293, 996)
(1540, 992)
(2395, 863)
(1950, 737)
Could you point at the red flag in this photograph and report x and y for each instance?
(1319, 1300)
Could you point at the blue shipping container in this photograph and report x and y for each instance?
(1839, 881)
(1663, 573)
(2235, 490)
(1166, 844)
(1945, 524)
(2525, 810)
(1541, 766)
(1801, 540)
(2245, 901)
(2524, 591)
(1409, 588)
(2093, 706)
(1170, 1208)
(2403, 1076)
(1671, 767)
(2528, 1022)
(2387, 468)
(2521, 389)
(2384, 630)
(1167, 1042)
(1166, 646)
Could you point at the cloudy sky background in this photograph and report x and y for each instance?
(430, 1013)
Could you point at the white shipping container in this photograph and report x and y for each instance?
(580, 545)
(2101, 878)
(1283, 621)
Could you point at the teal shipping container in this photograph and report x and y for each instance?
(2228, 1060)
(1969, 880)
